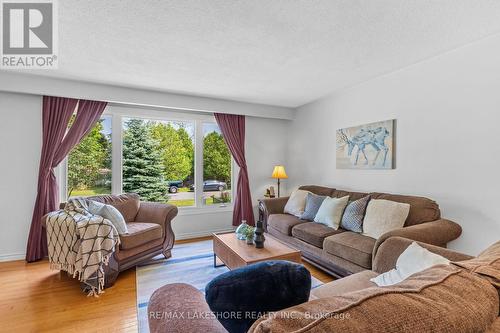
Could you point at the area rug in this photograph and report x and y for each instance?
(190, 263)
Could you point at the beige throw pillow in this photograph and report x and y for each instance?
(383, 216)
(296, 203)
(331, 210)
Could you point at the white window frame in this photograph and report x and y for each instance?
(117, 113)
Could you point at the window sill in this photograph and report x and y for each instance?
(204, 210)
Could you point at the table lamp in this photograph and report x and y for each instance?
(279, 173)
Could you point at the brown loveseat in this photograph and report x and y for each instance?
(341, 252)
(149, 232)
(447, 298)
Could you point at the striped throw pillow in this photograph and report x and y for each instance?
(354, 213)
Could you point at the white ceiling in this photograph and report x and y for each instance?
(278, 52)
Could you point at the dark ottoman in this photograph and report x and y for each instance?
(240, 296)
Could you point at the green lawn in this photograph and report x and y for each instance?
(104, 190)
(90, 192)
(182, 203)
(188, 202)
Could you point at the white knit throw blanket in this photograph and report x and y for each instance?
(81, 243)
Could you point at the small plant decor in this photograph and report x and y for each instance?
(249, 233)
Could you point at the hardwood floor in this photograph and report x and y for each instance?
(34, 298)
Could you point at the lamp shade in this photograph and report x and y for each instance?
(279, 172)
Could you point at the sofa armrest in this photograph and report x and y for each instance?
(154, 212)
(271, 206)
(162, 214)
(438, 232)
(389, 252)
(179, 308)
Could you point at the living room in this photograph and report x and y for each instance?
(228, 111)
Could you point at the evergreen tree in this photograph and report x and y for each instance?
(142, 163)
(216, 158)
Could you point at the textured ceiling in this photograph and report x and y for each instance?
(278, 52)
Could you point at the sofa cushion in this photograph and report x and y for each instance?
(318, 190)
(313, 233)
(352, 195)
(330, 212)
(284, 222)
(351, 246)
(127, 204)
(345, 285)
(383, 216)
(354, 214)
(421, 209)
(296, 203)
(139, 234)
(313, 202)
(109, 212)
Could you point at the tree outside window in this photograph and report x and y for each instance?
(89, 162)
(216, 167)
(158, 162)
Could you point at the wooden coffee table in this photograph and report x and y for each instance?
(236, 253)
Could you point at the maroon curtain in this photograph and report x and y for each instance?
(56, 145)
(233, 131)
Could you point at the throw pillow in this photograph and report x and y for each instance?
(313, 202)
(296, 203)
(383, 216)
(354, 213)
(413, 260)
(110, 213)
(331, 211)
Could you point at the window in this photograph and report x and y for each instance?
(216, 167)
(89, 162)
(158, 160)
(160, 155)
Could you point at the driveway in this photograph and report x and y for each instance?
(189, 195)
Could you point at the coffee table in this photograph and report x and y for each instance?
(236, 253)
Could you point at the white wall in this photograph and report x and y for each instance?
(20, 142)
(448, 144)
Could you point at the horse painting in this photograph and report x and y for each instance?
(371, 142)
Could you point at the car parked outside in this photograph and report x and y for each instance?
(174, 185)
(212, 185)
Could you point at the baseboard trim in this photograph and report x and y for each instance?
(197, 234)
(21, 256)
(12, 256)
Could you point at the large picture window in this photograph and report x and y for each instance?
(163, 158)
(158, 160)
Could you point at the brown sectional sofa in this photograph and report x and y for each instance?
(342, 252)
(445, 298)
